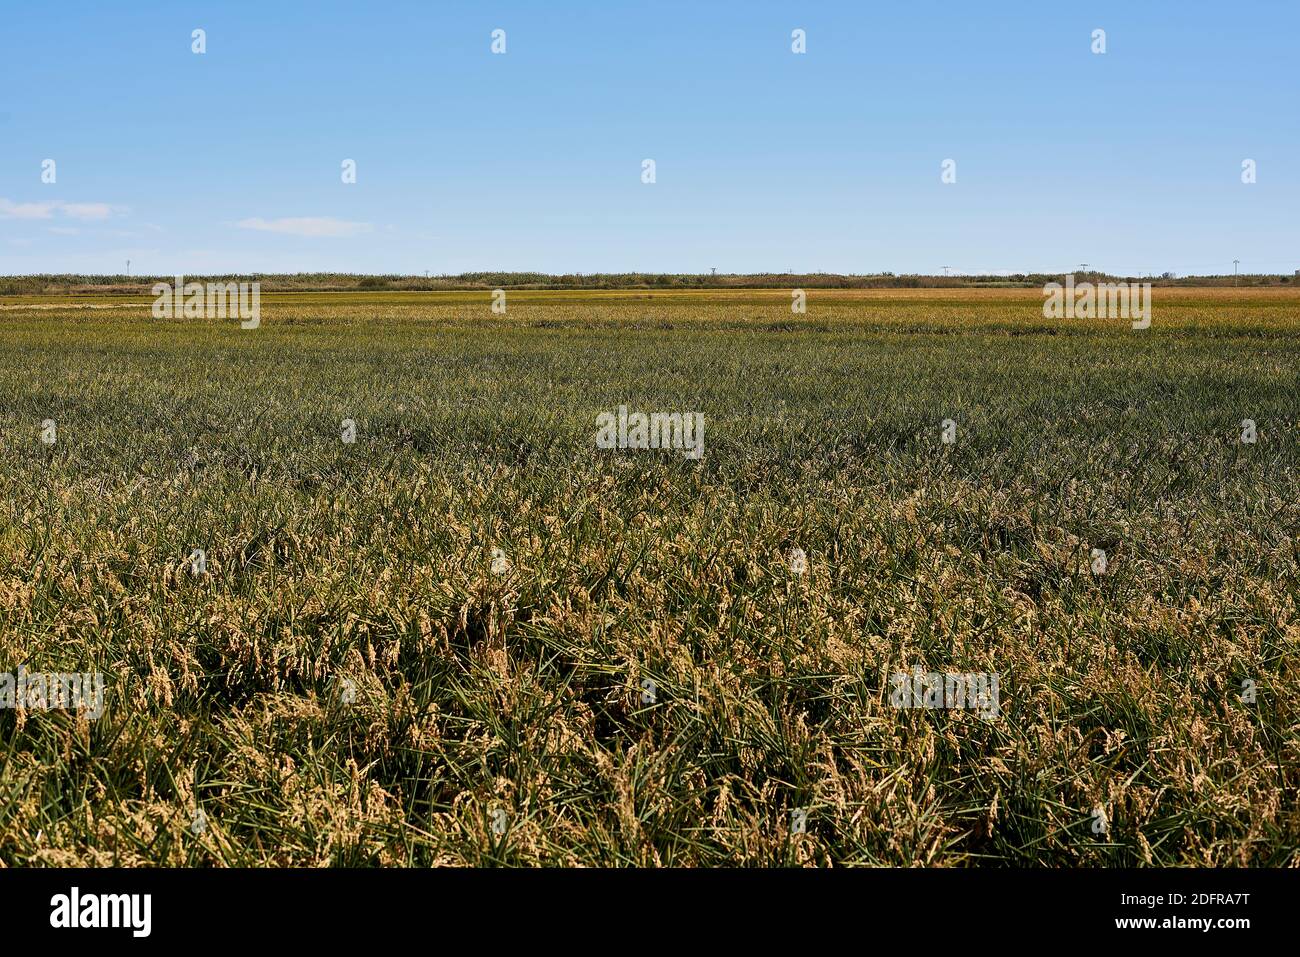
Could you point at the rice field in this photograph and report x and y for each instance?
(469, 636)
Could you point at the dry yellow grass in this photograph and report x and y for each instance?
(351, 683)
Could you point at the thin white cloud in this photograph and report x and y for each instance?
(87, 210)
(305, 226)
(64, 230)
(12, 210)
(48, 208)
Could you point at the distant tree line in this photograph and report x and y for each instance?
(342, 282)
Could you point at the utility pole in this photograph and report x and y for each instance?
(128, 269)
(714, 269)
(1235, 280)
(945, 270)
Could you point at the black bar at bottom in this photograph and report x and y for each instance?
(337, 907)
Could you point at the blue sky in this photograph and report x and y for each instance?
(230, 161)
